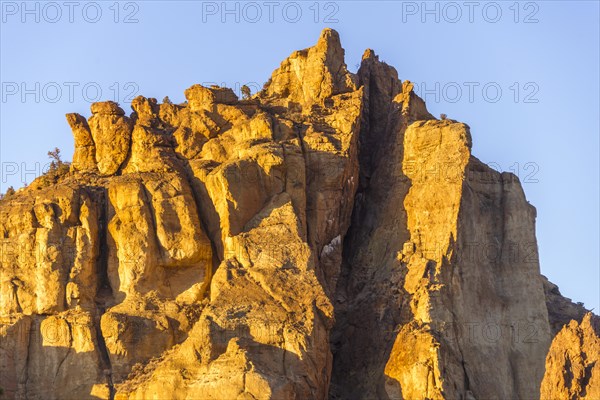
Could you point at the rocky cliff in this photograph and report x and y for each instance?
(326, 238)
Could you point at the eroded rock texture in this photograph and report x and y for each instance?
(573, 362)
(327, 238)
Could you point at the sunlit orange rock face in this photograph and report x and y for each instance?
(573, 362)
(325, 238)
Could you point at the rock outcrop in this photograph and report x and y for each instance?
(561, 310)
(326, 238)
(442, 275)
(111, 133)
(573, 362)
(275, 189)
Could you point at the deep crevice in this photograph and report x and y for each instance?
(104, 295)
(217, 258)
(365, 280)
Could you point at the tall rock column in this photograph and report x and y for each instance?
(441, 271)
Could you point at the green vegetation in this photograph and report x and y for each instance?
(246, 93)
(57, 171)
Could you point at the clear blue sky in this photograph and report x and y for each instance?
(543, 56)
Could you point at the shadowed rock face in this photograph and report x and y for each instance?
(327, 238)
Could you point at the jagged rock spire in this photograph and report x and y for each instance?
(311, 75)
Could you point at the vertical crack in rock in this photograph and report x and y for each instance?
(368, 298)
(199, 200)
(69, 350)
(23, 377)
(404, 282)
(321, 239)
(104, 294)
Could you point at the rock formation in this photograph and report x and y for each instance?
(326, 238)
(573, 362)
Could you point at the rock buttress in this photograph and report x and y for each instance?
(440, 270)
(325, 238)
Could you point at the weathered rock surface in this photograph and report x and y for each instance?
(84, 157)
(312, 75)
(328, 238)
(561, 310)
(422, 306)
(111, 133)
(277, 189)
(573, 362)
